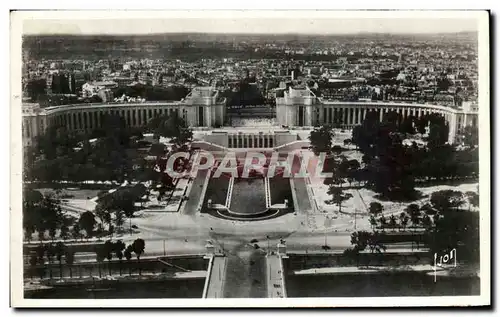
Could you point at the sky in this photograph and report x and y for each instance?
(243, 22)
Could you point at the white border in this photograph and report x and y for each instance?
(15, 146)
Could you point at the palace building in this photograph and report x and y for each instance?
(298, 108)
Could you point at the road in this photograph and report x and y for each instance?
(245, 273)
(186, 232)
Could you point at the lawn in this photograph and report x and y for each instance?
(72, 193)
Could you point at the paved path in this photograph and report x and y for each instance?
(217, 278)
(194, 195)
(275, 281)
(302, 195)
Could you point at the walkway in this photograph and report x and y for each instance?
(174, 202)
(275, 277)
(301, 195)
(194, 193)
(215, 288)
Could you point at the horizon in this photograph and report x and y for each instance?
(249, 26)
(250, 34)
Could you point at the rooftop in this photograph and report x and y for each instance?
(202, 92)
(104, 83)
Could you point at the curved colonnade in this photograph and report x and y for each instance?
(349, 114)
(85, 117)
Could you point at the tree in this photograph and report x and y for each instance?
(458, 230)
(50, 251)
(128, 256)
(446, 200)
(435, 218)
(428, 210)
(41, 233)
(108, 249)
(33, 262)
(438, 131)
(413, 210)
(357, 136)
(473, 199)
(375, 208)
(138, 247)
(59, 251)
(364, 135)
(100, 253)
(52, 233)
(103, 214)
(360, 240)
(118, 247)
(383, 222)
(321, 140)
(128, 207)
(337, 196)
(363, 239)
(87, 222)
(31, 204)
(393, 222)
(471, 136)
(421, 124)
(407, 126)
(64, 229)
(403, 219)
(158, 150)
(353, 170)
(386, 159)
(374, 243)
(40, 254)
(119, 219)
(69, 257)
(41, 213)
(373, 221)
(75, 231)
(426, 222)
(171, 126)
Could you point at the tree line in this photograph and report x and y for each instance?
(389, 166)
(43, 257)
(446, 226)
(62, 155)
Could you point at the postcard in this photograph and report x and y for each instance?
(250, 159)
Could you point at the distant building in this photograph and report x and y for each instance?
(91, 89)
(106, 95)
(120, 80)
(33, 124)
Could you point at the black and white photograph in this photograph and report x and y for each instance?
(250, 158)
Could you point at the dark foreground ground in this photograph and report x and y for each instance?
(375, 285)
(192, 288)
